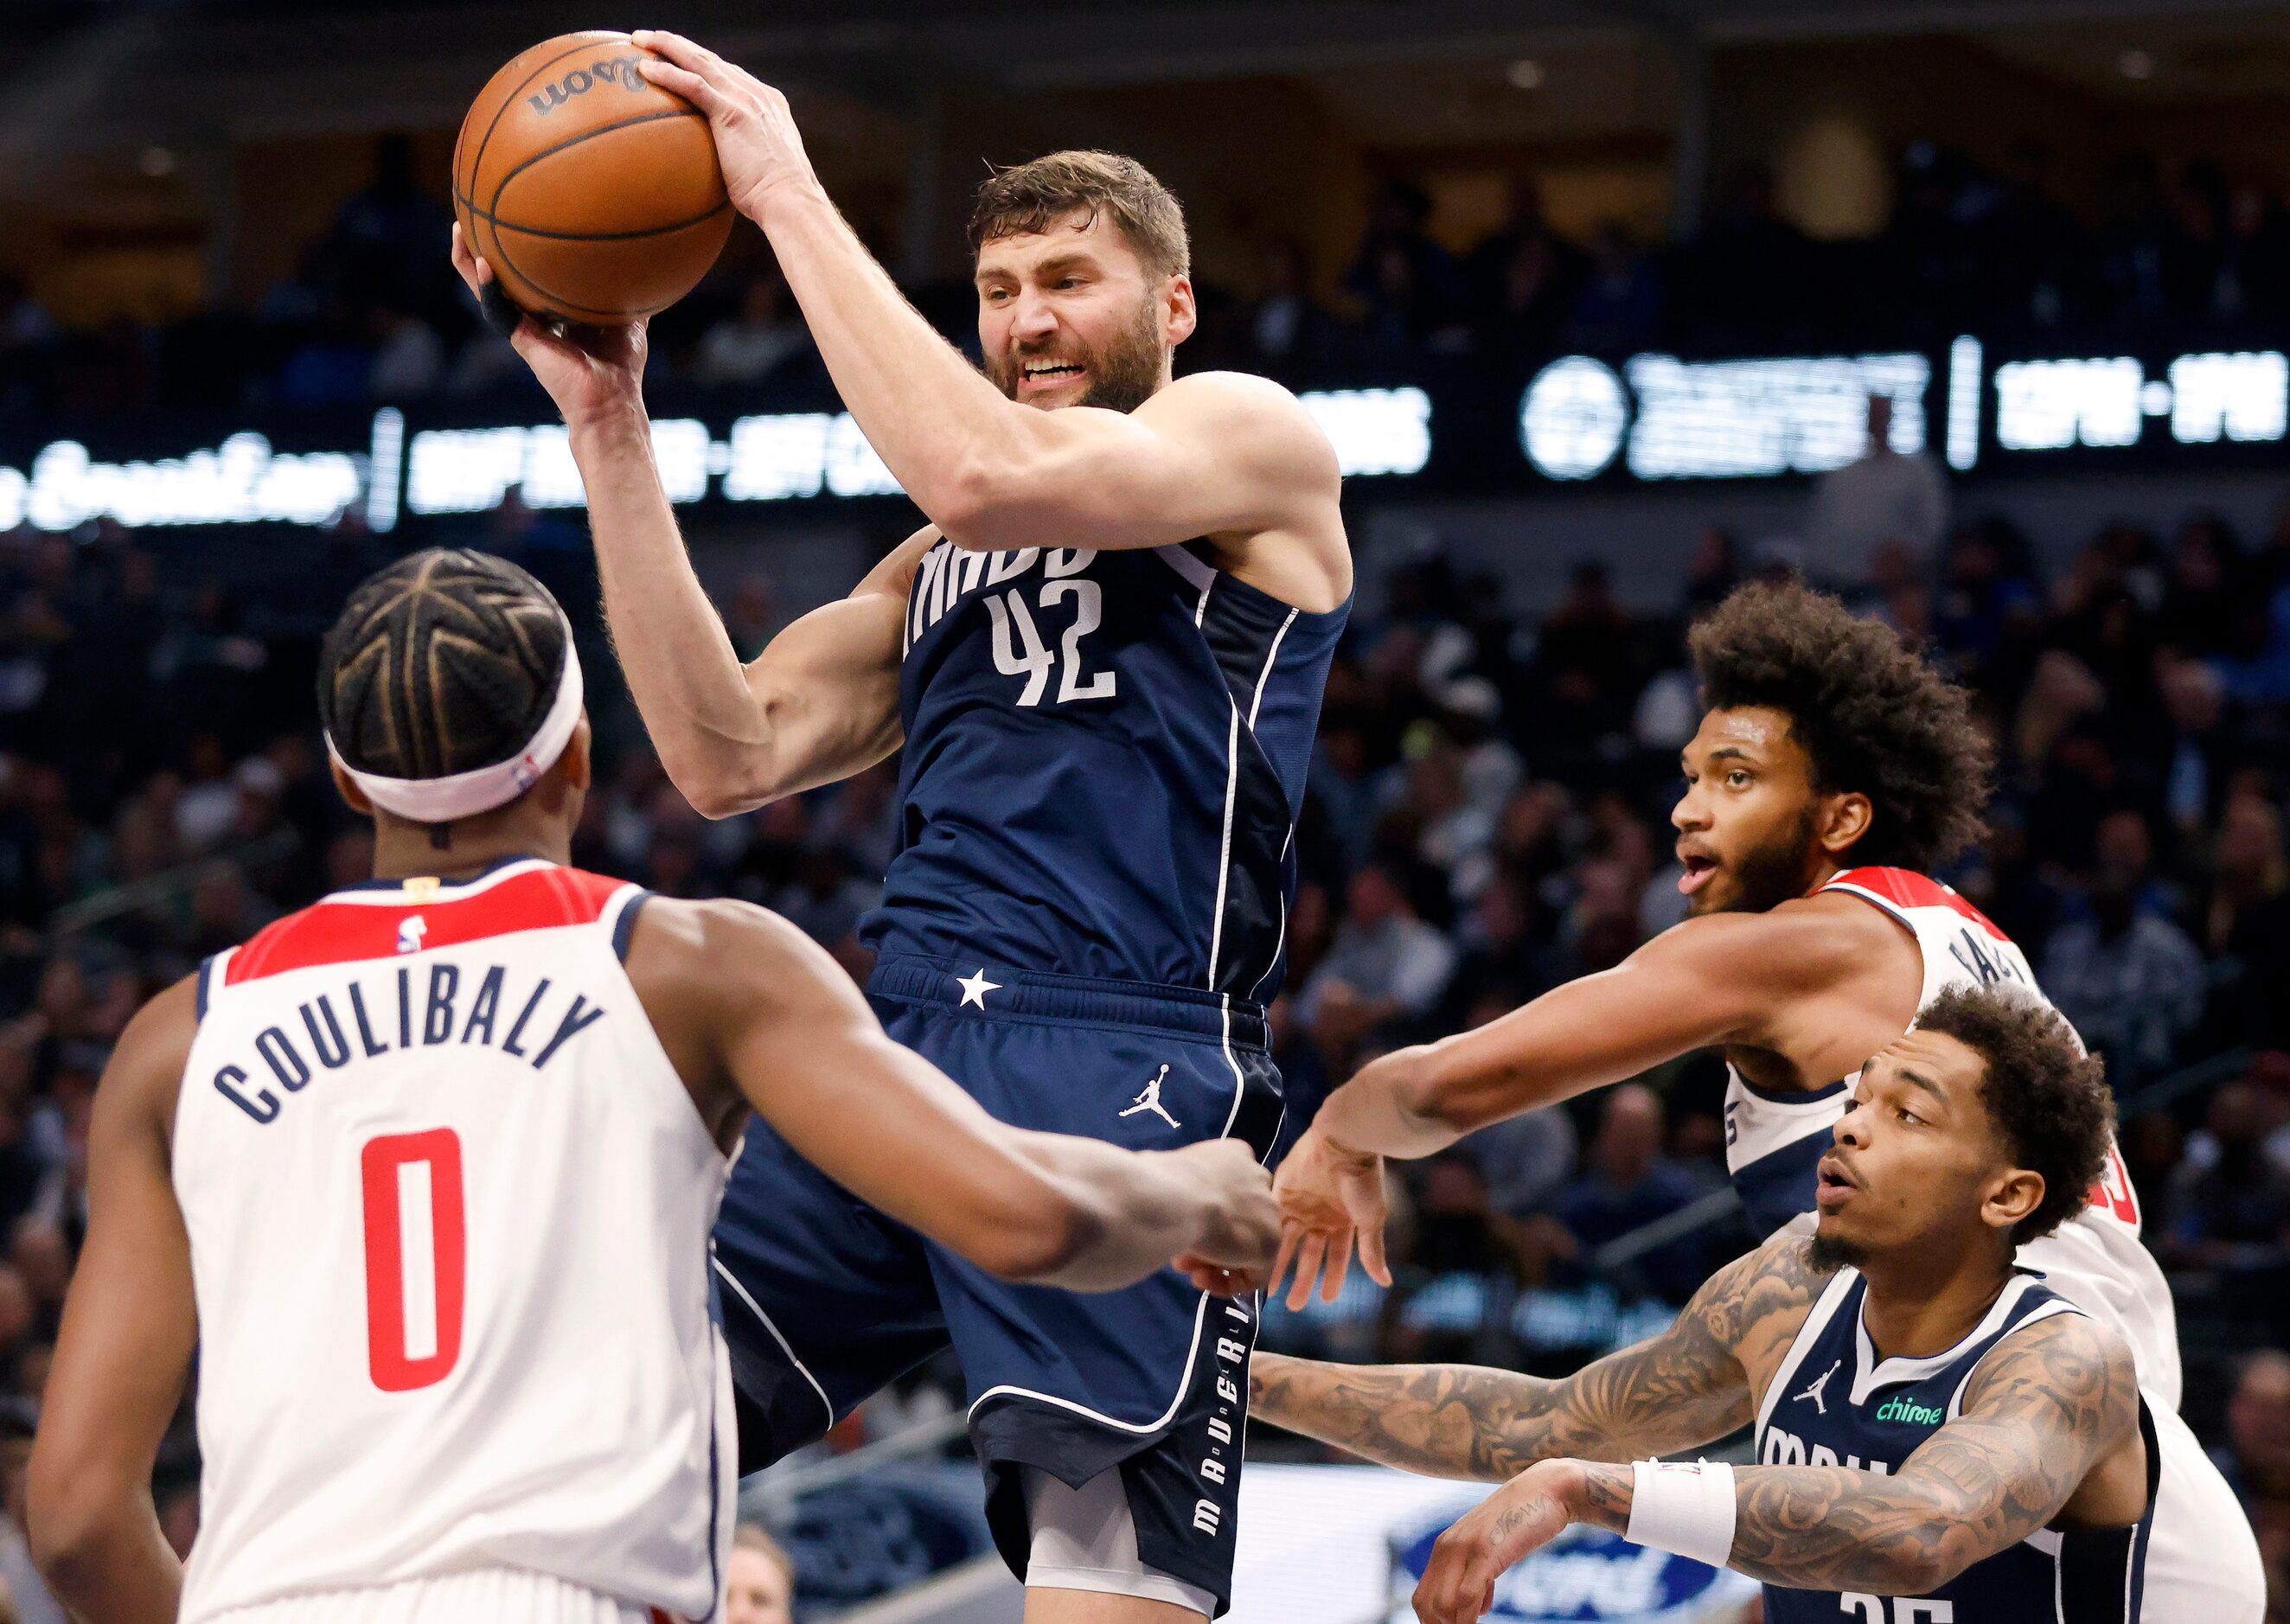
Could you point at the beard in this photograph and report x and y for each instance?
(1122, 375)
(1830, 1253)
(1774, 873)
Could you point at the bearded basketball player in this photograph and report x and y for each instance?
(1104, 656)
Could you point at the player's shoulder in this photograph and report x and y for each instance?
(1245, 409)
(145, 1073)
(717, 947)
(681, 929)
(2067, 1359)
(1806, 940)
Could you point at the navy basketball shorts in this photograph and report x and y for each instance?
(825, 1300)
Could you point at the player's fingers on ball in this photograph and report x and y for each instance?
(688, 84)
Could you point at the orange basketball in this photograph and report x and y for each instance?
(593, 194)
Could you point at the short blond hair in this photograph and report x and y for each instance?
(1029, 197)
(753, 1537)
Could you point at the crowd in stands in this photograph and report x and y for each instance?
(1487, 818)
(372, 312)
(1488, 803)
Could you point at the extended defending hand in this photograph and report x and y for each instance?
(1331, 1200)
(756, 143)
(1522, 1517)
(587, 371)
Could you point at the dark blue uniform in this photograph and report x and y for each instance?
(1105, 759)
(1835, 1403)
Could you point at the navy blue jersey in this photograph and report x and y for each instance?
(1835, 1403)
(1105, 759)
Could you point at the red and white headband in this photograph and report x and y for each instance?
(464, 794)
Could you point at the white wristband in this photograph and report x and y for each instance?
(1684, 1509)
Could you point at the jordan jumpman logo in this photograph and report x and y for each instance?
(1820, 1404)
(1150, 1100)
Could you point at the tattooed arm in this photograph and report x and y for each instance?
(2052, 1416)
(1688, 1385)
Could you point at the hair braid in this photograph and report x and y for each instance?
(445, 661)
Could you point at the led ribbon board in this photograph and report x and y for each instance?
(1653, 417)
(772, 458)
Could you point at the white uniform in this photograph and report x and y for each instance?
(2202, 1562)
(448, 1205)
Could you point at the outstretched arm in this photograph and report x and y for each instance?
(763, 1017)
(1723, 979)
(1706, 981)
(820, 704)
(1687, 1387)
(124, 1353)
(2046, 1409)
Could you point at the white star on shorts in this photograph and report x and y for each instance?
(975, 987)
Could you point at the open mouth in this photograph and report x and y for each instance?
(1698, 870)
(1047, 372)
(1832, 1184)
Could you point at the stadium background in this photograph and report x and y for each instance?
(1592, 299)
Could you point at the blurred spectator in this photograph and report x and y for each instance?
(1885, 496)
(2255, 1457)
(759, 1581)
(1385, 964)
(1406, 282)
(1285, 323)
(2247, 921)
(23, 1594)
(766, 335)
(1627, 1182)
(2230, 1196)
(1620, 302)
(2128, 977)
(389, 241)
(1523, 276)
(409, 357)
(1748, 273)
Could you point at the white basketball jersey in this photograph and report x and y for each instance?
(2096, 1259)
(449, 1204)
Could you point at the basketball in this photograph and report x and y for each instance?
(593, 194)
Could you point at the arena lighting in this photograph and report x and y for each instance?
(238, 482)
(2049, 406)
(1572, 419)
(811, 453)
(1676, 420)
(1963, 404)
(1716, 419)
(1374, 431)
(1740, 420)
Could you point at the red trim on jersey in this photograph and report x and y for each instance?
(1908, 889)
(333, 933)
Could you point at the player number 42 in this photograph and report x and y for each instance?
(1020, 651)
(416, 1257)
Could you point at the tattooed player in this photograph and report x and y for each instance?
(1938, 1435)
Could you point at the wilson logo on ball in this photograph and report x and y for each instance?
(621, 70)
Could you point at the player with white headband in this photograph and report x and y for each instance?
(425, 1174)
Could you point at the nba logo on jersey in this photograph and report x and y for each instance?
(410, 933)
